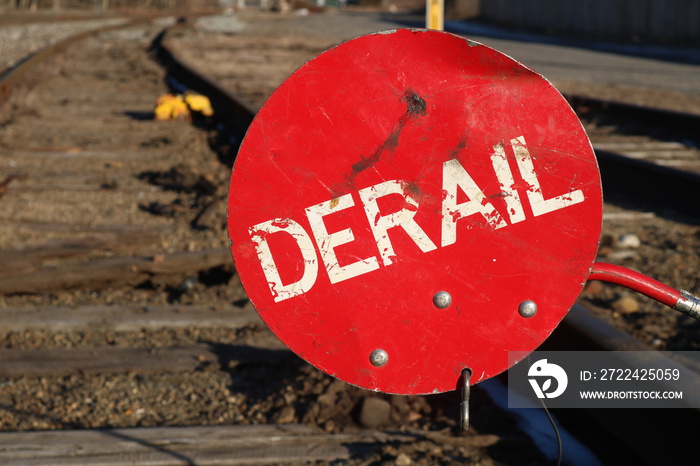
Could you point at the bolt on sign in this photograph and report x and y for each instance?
(411, 203)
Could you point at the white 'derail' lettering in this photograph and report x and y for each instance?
(328, 241)
(259, 234)
(402, 218)
(454, 177)
(538, 203)
(505, 179)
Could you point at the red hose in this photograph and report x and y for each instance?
(635, 281)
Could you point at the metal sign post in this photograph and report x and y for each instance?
(435, 14)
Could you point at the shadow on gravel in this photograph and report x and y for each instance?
(178, 457)
(139, 116)
(256, 372)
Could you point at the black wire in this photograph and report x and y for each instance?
(556, 431)
(560, 451)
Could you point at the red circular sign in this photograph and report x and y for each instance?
(411, 203)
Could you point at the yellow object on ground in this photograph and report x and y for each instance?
(198, 103)
(171, 107)
(176, 106)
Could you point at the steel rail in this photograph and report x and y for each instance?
(632, 182)
(671, 122)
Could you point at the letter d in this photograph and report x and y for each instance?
(259, 234)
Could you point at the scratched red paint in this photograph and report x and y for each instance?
(397, 165)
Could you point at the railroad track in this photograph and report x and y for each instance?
(133, 285)
(120, 308)
(664, 137)
(639, 146)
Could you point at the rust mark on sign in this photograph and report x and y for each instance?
(414, 103)
(415, 107)
(459, 148)
(413, 190)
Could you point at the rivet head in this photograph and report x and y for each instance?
(527, 308)
(378, 357)
(442, 299)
